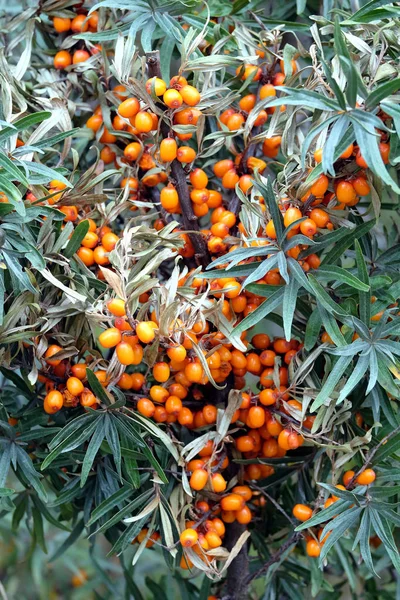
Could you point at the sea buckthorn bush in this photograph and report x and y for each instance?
(199, 287)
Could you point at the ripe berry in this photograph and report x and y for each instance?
(366, 477)
(232, 502)
(190, 95)
(198, 479)
(172, 98)
(302, 512)
(189, 537)
(313, 549)
(129, 108)
(53, 402)
(110, 337)
(146, 407)
(62, 60)
(61, 25)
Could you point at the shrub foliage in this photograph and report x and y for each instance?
(199, 283)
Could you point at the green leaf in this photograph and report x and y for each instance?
(331, 381)
(348, 238)
(382, 92)
(71, 539)
(109, 503)
(24, 123)
(333, 273)
(265, 187)
(260, 312)
(364, 295)
(92, 450)
(97, 388)
(289, 306)
(76, 239)
(38, 528)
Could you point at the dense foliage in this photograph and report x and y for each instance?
(199, 283)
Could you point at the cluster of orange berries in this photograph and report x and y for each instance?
(303, 513)
(72, 390)
(79, 24)
(134, 117)
(207, 531)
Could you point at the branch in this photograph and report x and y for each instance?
(274, 502)
(236, 583)
(189, 219)
(275, 557)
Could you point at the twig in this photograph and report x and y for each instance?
(275, 557)
(371, 455)
(188, 217)
(274, 502)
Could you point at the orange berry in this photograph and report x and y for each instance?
(345, 192)
(361, 186)
(190, 95)
(366, 477)
(189, 537)
(79, 24)
(198, 479)
(320, 186)
(80, 56)
(243, 515)
(53, 402)
(61, 24)
(51, 351)
(218, 483)
(75, 386)
(172, 98)
(302, 512)
(347, 477)
(232, 502)
(168, 150)
(110, 337)
(313, 548)
(161, 372)
(146, 407)
(62, 60)
(291, 215)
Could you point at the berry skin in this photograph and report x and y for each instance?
(110, 337)
(302, 512)
(75, 386)
(198, 479)
(313, 549)
(189, 537)
(291, 215)
(61, 25)
(62, 60)
(129, 108)
(53, 402)
(367, 477)
(51, 351)
(218, 483)
(168, 150)
(347, 477)
(173, 99)
(232, 502)
(125, 353)
(116, 306)
(145, 332)
(345, 192)
(190, 95)
(146, 407)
